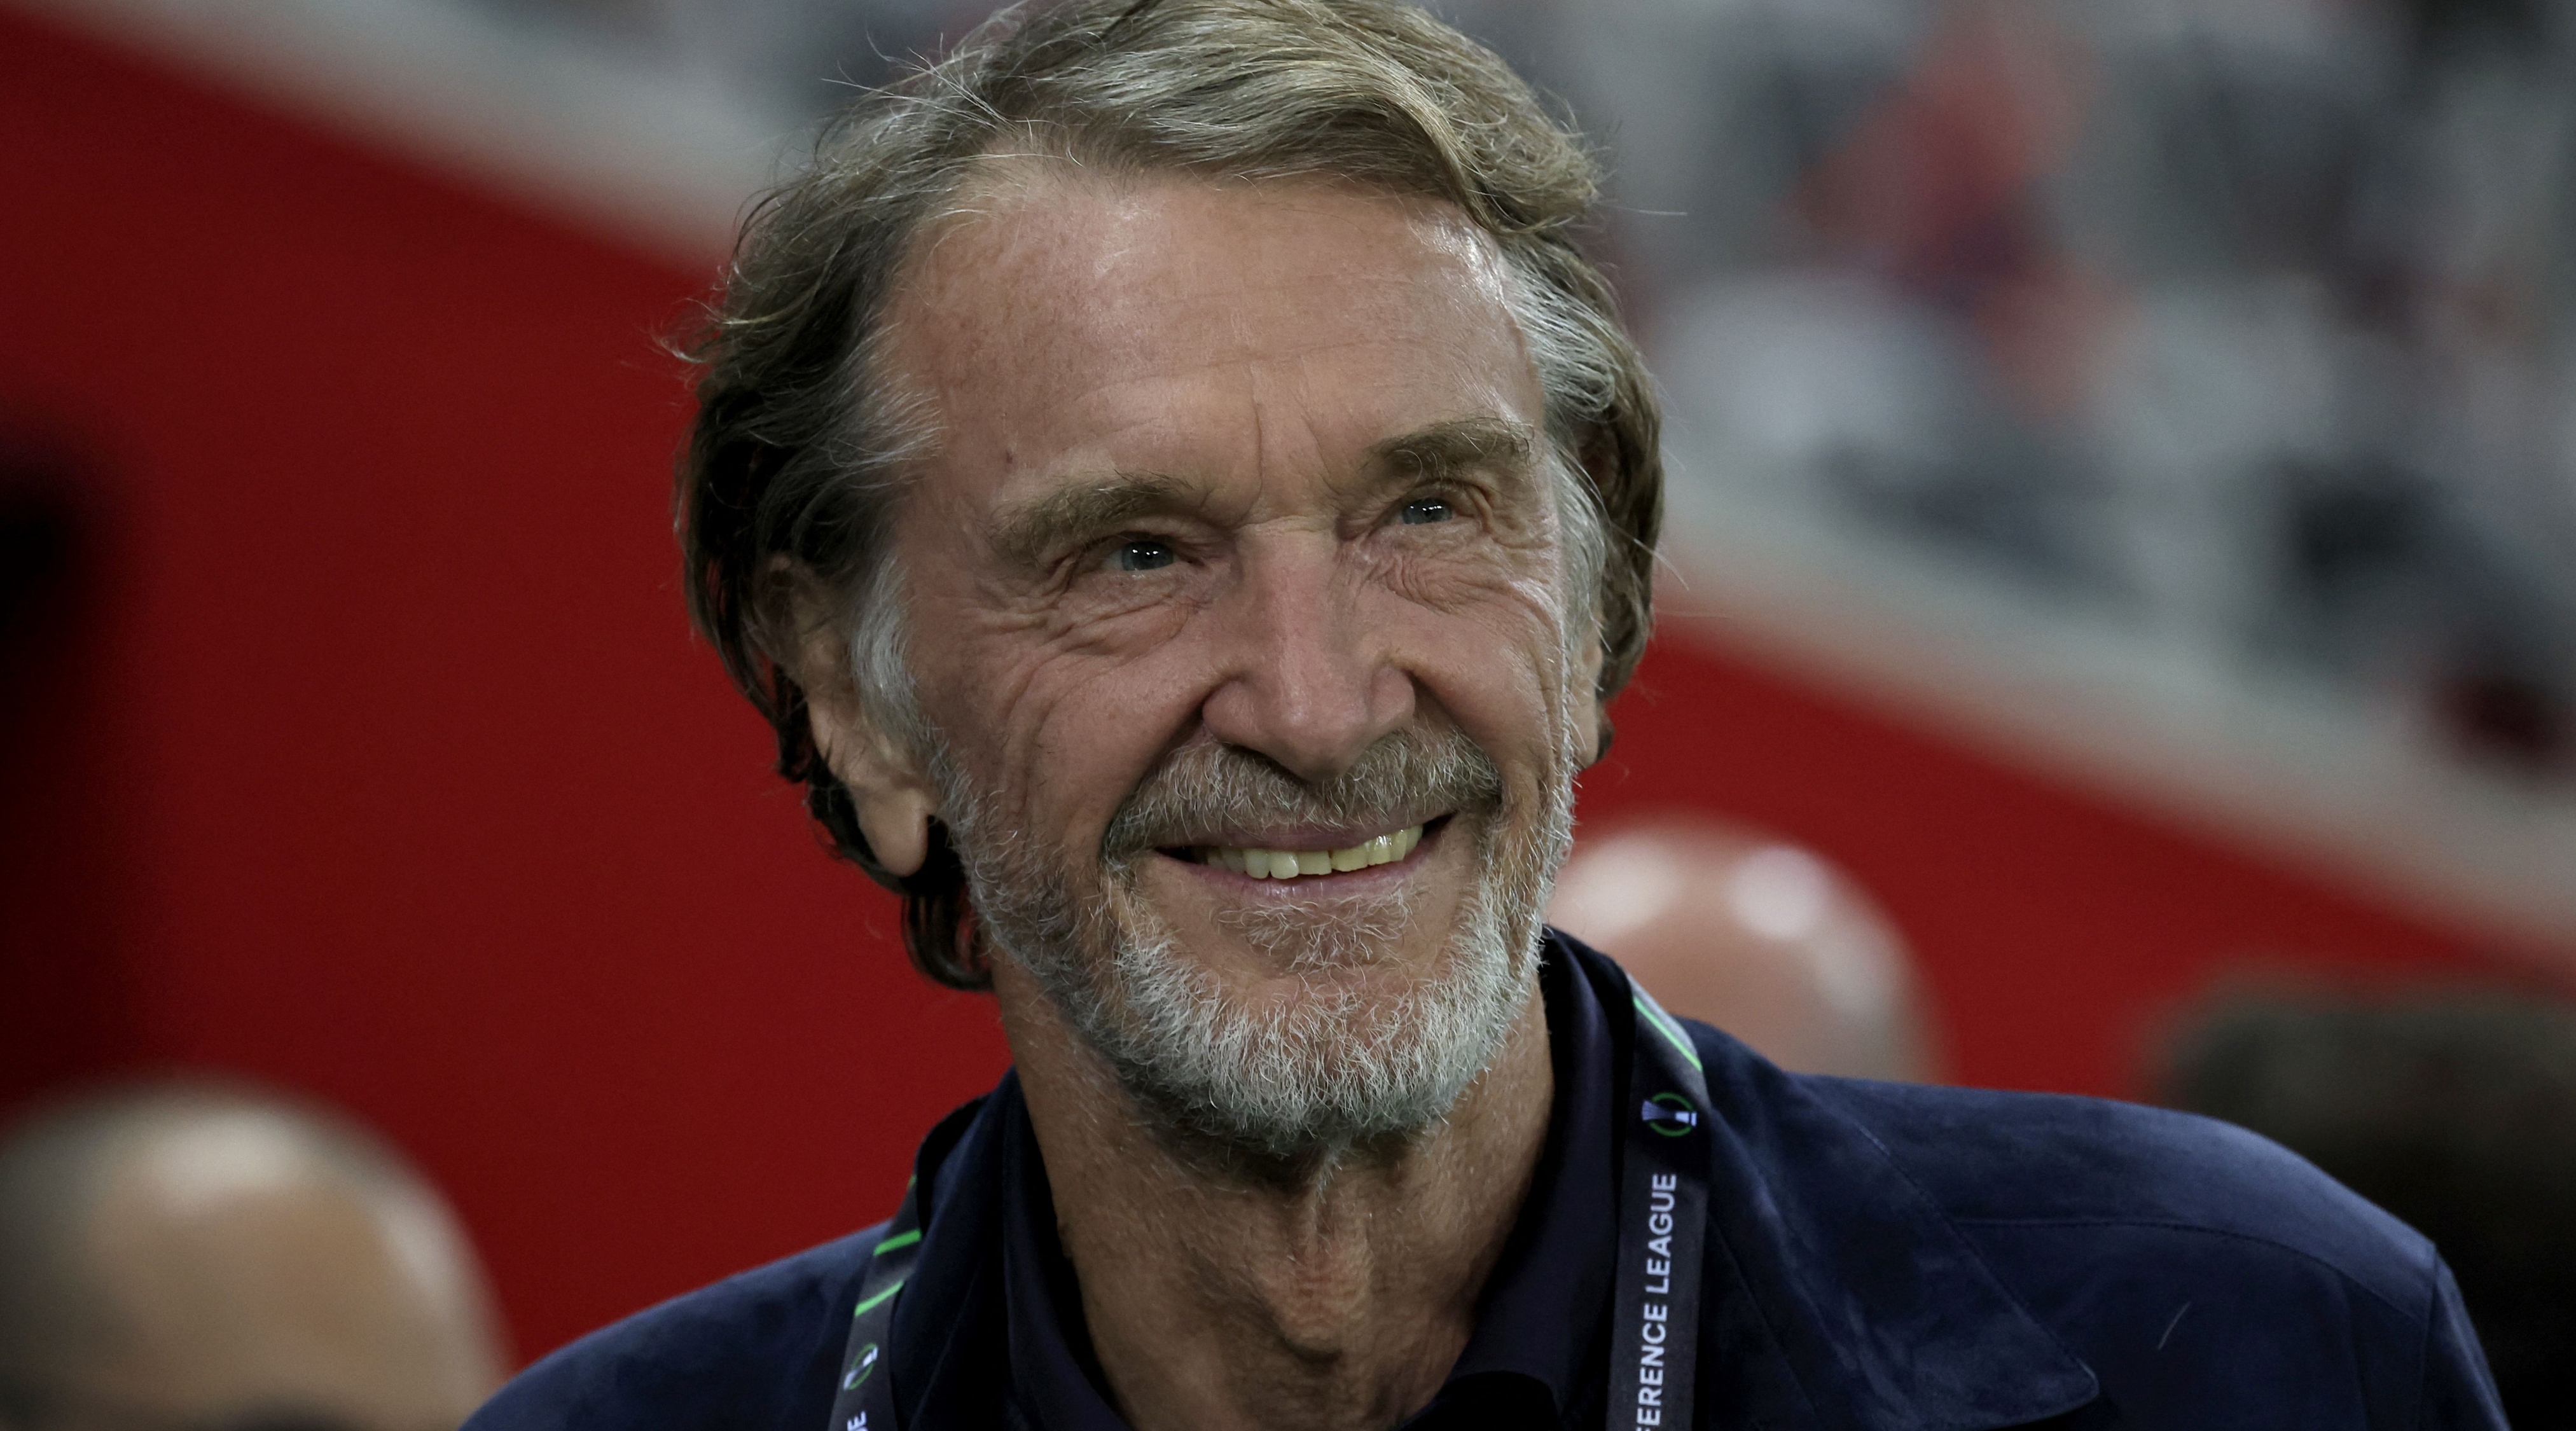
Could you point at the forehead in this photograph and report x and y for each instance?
(1057, 317)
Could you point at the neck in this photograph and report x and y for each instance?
(1337, 1296)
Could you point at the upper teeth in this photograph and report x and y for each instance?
(1289, 864)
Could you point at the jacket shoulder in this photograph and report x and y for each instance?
(2202, 1272)
(1994, 1159)
(757, 1349)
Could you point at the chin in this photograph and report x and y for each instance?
(1339, 1041)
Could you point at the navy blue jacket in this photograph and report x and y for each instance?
(1882, 1257)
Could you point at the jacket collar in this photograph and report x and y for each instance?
(1839, 1295)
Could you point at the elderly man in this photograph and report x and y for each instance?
(1183, 501)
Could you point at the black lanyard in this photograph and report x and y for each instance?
(1663, 1185)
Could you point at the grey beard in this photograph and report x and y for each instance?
(1307, 1078)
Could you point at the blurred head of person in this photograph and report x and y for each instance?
(2454, 1110)
(1755, 935)
(203, 1258)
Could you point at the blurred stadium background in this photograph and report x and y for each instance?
(2124, 515)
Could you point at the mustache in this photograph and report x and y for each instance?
(1206, 786)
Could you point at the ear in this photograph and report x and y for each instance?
(894, 799)
(1591, 713)
(886, 781)
(1600, 462)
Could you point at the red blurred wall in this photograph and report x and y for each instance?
(371, 755)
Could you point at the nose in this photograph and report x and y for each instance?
(1306, 679)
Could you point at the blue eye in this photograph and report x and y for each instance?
(1142, 554)
(1427, 509)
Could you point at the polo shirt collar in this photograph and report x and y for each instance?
(1543, 1320)
(1055, 1377)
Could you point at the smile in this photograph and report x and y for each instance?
(1261, 863)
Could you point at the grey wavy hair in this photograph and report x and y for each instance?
(802, 442)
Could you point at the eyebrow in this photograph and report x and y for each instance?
(1459, 444)
(1023, 535)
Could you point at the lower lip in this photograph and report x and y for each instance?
(1357, 881)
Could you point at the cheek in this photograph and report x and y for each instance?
(1495, 665)
(1054, 720)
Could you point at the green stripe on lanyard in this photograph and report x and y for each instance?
(865, 1401)
(1664, 1025)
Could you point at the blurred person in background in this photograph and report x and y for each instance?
(1755, 935)
(185, 1257)
(2454, 1111)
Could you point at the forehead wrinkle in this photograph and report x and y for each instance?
(1110, 232)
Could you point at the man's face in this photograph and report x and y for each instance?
(1241, 555)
